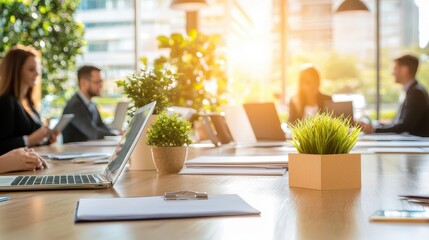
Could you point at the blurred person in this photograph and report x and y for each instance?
(309, 100)
(87, 123)
(413, 113)
(20, 124)
(21, 159)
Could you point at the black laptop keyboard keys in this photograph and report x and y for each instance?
(54, 180)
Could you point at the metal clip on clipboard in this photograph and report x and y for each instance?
(185, 195)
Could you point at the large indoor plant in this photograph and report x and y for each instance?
(169, 137)
(323, 161)
(142, 88)
(200, 63)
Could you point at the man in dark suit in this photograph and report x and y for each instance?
(87, 123)
(413, 114)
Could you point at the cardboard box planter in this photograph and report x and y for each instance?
(325, 172)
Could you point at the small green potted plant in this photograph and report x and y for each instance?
(142, 88)
(169, 140)
(323, 161)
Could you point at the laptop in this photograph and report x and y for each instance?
(120, 114)
(87, 181)
(186, 113)
(339, 109)
(265, 121)
(238, 124)
(216, 128)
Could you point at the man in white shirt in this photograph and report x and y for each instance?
(87, 123)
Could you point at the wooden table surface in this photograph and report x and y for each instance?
(287, 213)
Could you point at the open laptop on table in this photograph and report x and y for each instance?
(265, 122)
(238, 124)
(254, 125)
(87, 181)
(339, 109)
(216, 128)
(120, 114)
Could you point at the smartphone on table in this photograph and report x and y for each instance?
(400, 215)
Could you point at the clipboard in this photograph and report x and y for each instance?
(148, 208)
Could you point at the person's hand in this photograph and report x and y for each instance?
(21, 159)
(53, 137)
(37, 136)
(366, 128)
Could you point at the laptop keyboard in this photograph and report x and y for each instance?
(56, 180)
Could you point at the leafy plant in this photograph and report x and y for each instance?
(199, 62)
(147, 86)
(324, 134)
(50, 27)
(169, 131)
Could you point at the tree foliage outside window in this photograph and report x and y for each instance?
(48, 26)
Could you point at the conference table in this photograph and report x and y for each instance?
(286, 213)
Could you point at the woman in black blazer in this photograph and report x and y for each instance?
(309, 100)
(20, 124)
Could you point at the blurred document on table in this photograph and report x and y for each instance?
(233, 171)
(263, 161)
(237, 165)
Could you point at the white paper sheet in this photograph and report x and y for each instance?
(233, 171)
(263, 144)
(73, 155)
(101, 143)
(398, 150)
(392, 144)
(391, 137)
(238, 160)
(107, 209)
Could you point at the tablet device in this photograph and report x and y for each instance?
(64, 120)
(401, 215)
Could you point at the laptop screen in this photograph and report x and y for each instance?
(120, 114)
(128, 142)
(338, 109)
(265, 122)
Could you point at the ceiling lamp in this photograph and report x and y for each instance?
(352, 5)
(188, 5)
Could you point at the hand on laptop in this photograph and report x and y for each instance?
(366, 128)
(21, 159)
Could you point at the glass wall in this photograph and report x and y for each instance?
(341, 45)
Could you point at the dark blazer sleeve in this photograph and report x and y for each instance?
(81, 127)
(8, 124)
(414, 108)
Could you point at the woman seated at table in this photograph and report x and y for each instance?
(20, 124)
(21, 159)
(309, 100)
